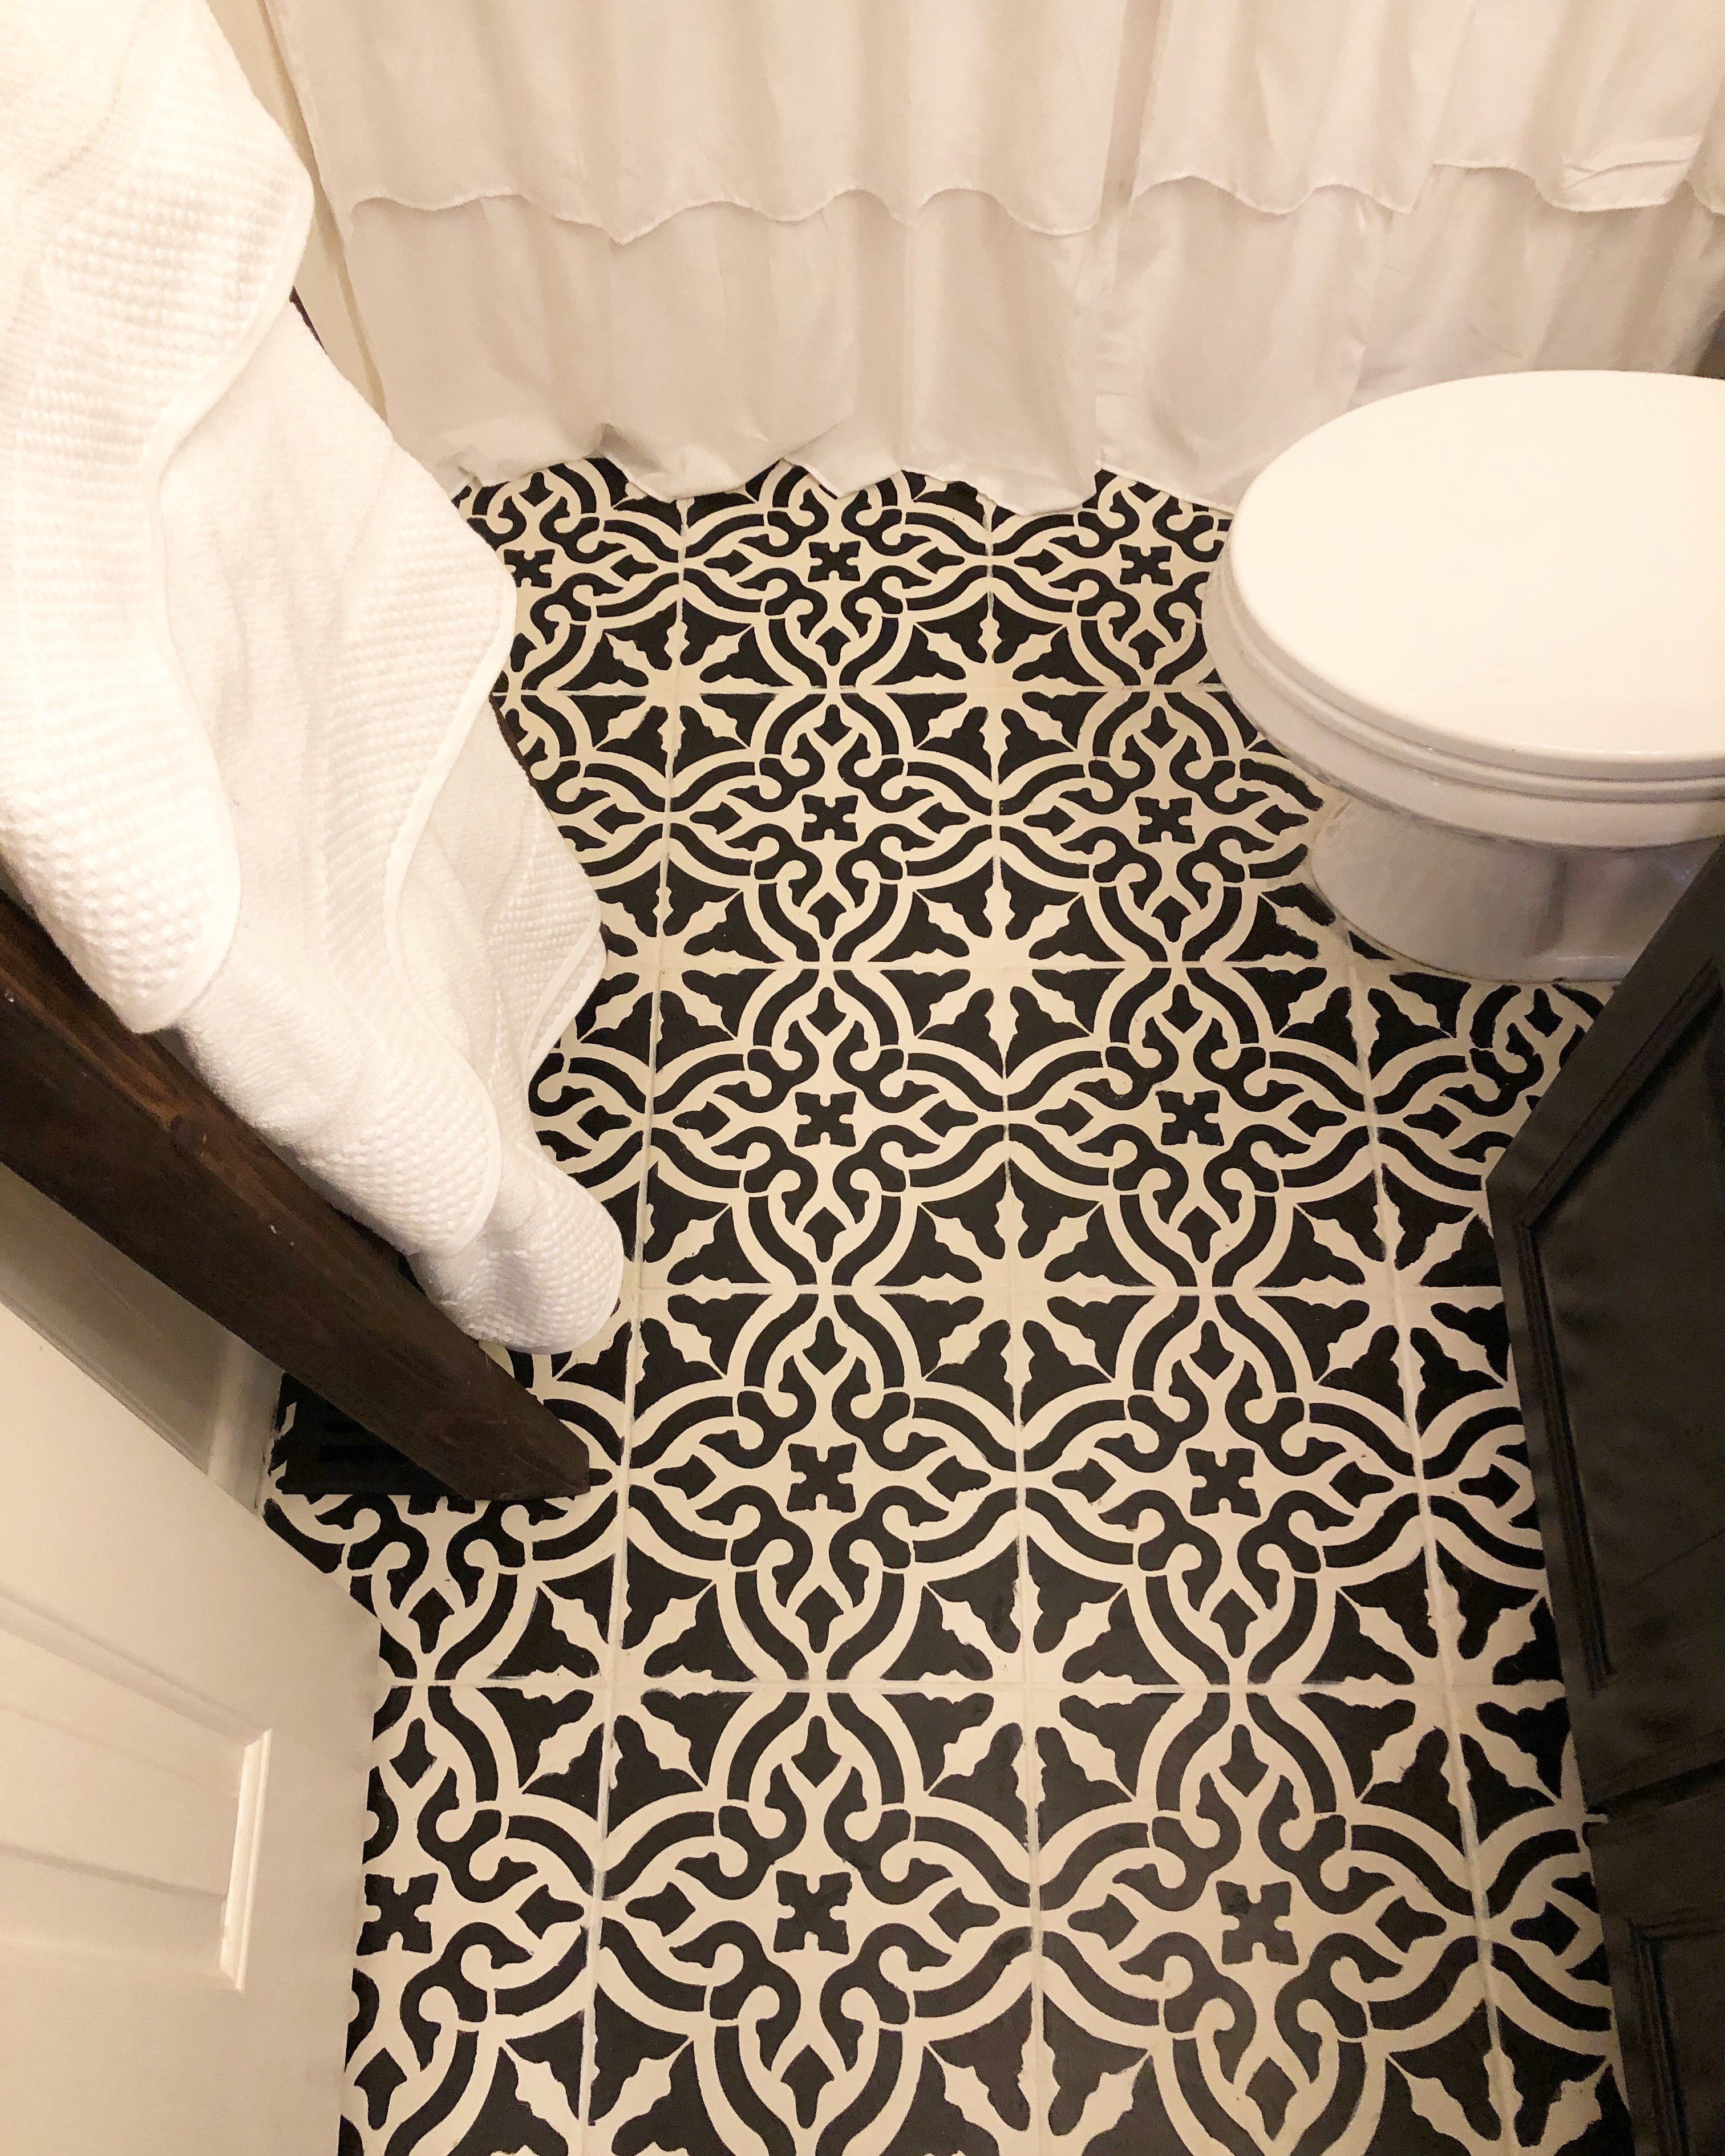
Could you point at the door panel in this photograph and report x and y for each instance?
(1609, 1211)
(1629, 1254)
(1663, 1894)
(185, 1712)
(123, 1819)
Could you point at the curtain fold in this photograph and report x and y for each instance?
(1007, 241)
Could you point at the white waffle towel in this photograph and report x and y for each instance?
(249, 776)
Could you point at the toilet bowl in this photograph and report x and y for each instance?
(1491, 614)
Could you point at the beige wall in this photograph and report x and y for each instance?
(207, 1394)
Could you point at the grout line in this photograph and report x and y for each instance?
(619, 1581)
(1497, 2067)
(1031, 1779)
(1367, 1691)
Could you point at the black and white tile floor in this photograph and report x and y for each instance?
(1054, 1658)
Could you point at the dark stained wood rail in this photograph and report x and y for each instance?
(111, 1126)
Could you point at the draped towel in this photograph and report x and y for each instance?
(249, 776)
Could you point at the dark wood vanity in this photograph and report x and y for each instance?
(1609, 1214)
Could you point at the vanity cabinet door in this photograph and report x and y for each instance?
(1609, 1214)
(1662, 1886)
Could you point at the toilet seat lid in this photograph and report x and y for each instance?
(1526, 568)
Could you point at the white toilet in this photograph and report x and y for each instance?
(1491, 613)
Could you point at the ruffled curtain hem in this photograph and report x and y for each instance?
(1582, 199)
(965, 345)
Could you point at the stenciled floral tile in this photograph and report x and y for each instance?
(815, 1926)
(823, 1484)
(1455, 1066)
(1258, 1925)
(1185, 1127)
(1221, 1489)
(1491, 1565)
(470, 1983)
(842, 1125)
(1547, 1980)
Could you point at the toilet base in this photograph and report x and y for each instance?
(1494, 908)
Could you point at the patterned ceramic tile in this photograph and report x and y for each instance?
(1175, 1127)
(1055, 1657)
(1122, 577)
(794, 595)
(1161, 817)
(589, 700)
(1455, 1066)
(500, 1591)
(835, 845)
(590, 1098)
(842, 1124)
(823, 1483)
(506, 1591)
(1550, 1989)
(590, 685)
(1491, 1599)
(1257, 1925)
(469, 1980)
(816, 1924)
(1221, 1487)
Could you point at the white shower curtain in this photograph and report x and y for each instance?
(1006, 241)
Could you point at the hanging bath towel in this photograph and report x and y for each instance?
(250, 778)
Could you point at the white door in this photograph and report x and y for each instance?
(185, 1707)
